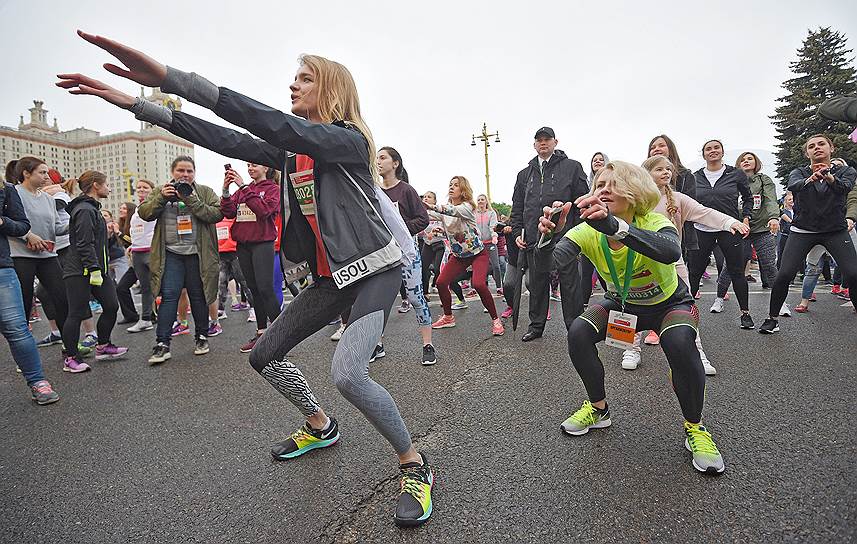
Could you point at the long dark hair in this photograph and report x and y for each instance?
(673, 153)
(401, 173)
(125, 222)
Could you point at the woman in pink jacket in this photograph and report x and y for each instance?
(680, 208)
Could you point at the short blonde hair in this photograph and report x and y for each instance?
(633, 183)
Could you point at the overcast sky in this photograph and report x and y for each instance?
(607, 76)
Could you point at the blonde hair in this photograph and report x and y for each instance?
(632, 183)
(466, 190)
(488, 206)
(338, 100)
(653, 162)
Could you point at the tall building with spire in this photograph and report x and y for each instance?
(123, 157)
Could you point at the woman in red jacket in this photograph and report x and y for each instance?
(254, 206)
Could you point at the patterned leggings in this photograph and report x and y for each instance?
(370, 300)
(412, 284)
(677, 326)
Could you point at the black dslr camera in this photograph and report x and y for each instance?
(183, 188)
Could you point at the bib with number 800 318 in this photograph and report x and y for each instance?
(621, 327)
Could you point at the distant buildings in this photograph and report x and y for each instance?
(123, 157)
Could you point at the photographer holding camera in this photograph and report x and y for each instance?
(184, 252)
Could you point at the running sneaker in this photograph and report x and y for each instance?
(251, 316)
(74, 365)
(588, 417)
(82, 351)
(109, 351)
(750, 279)
(160, 353)
(214, 329)
(43, 393)
(378, 353)
(414, 505)
(500, 291)
(784, 311)
(801, 309)
(240, 306)
(747, 322)
(507, 313)
(465, 284)
(201, 346)
(555, 296)
(706, 456)
(717, 307)
(221, 314)
(652, 339)
(405, 307)
(836, 289)
(630, 359)
(697, 295)
(49, 340)
(706, 275)
(429, 355)
(34, 316)
(306, 439)
(471, 294)
(706, 364)
(445, 322)
(338, 333)
(140, 326)
(770, 326)
(89, 341)
(845, 294)
(459, 305)
(180, 329)
(248, 347)
(812, 297)
(497, 328)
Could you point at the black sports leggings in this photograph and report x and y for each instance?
(732, 246)
(50, 276)
(79, 292)
(839, 245)
(677, 326)
(370, 300)
(257, 265)
(432, 256)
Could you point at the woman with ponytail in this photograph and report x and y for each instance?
(85, 272)
(344, 230)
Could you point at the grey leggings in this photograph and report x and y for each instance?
(766, 251)
(370, 300)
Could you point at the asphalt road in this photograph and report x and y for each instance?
(179, 453)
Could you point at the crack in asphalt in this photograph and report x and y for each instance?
(343, 530)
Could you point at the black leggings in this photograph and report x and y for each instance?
(257, 265)
(677, 326)
(370, 300)
(432, 257)
(79, 292)
(139, 271)
(732, 246)
(839, 245)
(49, 273)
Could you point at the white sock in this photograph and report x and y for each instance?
(55, 332)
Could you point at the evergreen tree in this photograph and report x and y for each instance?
(824, 70)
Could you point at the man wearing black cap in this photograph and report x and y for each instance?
(550, 176)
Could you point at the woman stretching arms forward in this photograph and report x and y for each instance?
(635, 249)
(359, 269)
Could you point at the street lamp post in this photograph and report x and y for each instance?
(484, 137)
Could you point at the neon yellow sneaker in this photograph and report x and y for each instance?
(706, 456)
(306, 439)
(588, 417)
(414, 506)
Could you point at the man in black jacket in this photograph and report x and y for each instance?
(549, 177)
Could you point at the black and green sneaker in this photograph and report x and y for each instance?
(306, 439)
(414, 505)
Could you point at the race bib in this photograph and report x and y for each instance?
(223, 233)
(184, 225)
(621, 328)
(304, 185)
(757, 202)
(137, 230)
(245, 214)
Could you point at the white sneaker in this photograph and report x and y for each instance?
(630, 359)
(140, 326)
(709, 368)
(459, 305)
(251, 317)
(717, 307)
(338, 334)
(785, 311)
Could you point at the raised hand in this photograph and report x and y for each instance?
(141, 67)
(81, 84)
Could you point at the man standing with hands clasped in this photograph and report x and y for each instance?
(549, 177)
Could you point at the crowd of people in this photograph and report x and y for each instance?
(321, 194)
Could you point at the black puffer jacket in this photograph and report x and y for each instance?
(87, 237)
(564, 180)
